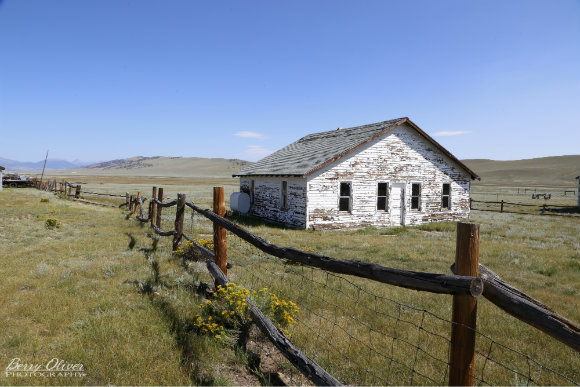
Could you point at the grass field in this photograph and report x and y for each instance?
(98, 317)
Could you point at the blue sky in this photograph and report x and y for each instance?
(107, 79)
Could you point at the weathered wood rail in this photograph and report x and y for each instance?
(431, 282)
(545, 209)
(528, 309)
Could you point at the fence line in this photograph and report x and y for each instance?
(557, 326)
(545, 209)
(489, 284)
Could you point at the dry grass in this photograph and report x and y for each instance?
(72, 293)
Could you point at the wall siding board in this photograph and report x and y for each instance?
(267, 195)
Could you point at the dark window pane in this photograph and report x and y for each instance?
(344, 189)
(415, 202)
(445, 203)
(344, 204)
(446, 189)
(415, 189)
(382, 191)
(381, 203)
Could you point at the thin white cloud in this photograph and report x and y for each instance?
(255, 152)
(247, 134)
(452, 133)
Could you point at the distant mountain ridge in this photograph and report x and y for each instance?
(37, 165)
(165, 166)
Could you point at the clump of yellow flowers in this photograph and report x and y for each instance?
(229, 311)
(189, 251)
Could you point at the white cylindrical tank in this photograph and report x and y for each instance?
(240, 201)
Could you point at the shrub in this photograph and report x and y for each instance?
(190, 251)
(44, 200)
(52, 223)
(229, 312)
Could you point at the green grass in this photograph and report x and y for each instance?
(347, 325)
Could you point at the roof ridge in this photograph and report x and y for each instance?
(354, 128)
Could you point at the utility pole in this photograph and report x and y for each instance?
(42, 176)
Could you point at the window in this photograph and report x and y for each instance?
(416, 196)
(345, 198)
(446, 196)
(383, 196)
(252, 192)
(284, 198)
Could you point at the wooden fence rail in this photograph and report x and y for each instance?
(431, 282)
(545, 209)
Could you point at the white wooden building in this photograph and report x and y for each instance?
(389, 173)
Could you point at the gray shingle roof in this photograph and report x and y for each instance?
(317, 150)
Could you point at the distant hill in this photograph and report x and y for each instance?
(164, 166)
(556, 170)
(22, 166)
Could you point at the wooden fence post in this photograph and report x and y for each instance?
(501, 209)
(179, 214)
(137, 203)
(78, 192)
(219, 233)
(543, 209)
(152, 206)
(127, 198)
(160, 198)
(462, 358)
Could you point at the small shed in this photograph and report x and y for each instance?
(389, 173)
(1, 170)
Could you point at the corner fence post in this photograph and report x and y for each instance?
(462, 357)
(179, 221)
(160, 198)
(219, 233)
(153, 206)
(78, 192)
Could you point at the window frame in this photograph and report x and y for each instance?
(411, 196)
(252, 191)
(448, 197)
(340, 196)
(284, 195)
(386, 196)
